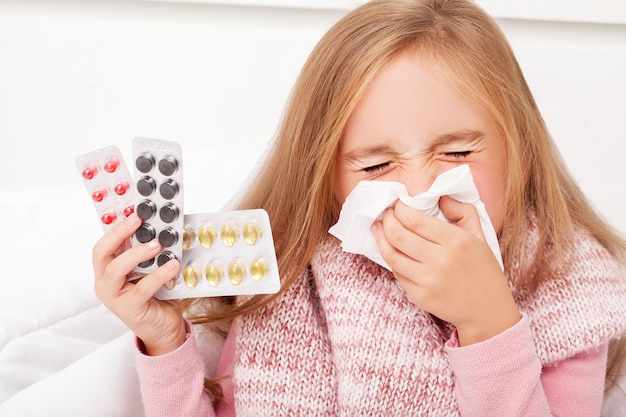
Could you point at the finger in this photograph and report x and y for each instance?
(416, 290)
(401, 249)
(387, 251)
(427, 227)
(402, 239)
(463, 215)
(113, 279)
(105, 249)
(147, 286)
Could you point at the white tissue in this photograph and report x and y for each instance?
(369, 199)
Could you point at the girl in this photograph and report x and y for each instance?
(398, 90)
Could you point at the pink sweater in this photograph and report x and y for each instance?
(172, 384)
(318, 348)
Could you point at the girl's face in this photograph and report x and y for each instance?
(410, 127)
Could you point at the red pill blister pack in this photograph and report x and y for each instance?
(221, 254)
(109, 184)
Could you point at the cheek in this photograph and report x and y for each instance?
(491, 192)
(343, 187)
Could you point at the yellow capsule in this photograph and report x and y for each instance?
(170, 284)
(252, 233)
(192, 275)
(207, 235)
(230, 234)
(258, 269)
(236, 272)
(214, 273)
(189, 237)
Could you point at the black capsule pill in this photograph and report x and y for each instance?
(146, 186)
(145, 233)
(168, 237)
(146, 209)
(168, 165)
(169, 189)
(164, 257)
(145, 162)
(169, 213)
(146, 264)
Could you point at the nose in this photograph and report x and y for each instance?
(418, 179)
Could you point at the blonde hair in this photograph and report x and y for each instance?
(295, 184)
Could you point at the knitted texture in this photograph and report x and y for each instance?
(584, 306)
(346, 340)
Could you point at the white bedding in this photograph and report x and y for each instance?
(61, 352)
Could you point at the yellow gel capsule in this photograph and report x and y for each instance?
(230, 234)
(214, 273)
(170, 284)
(189, 237)
(192, 275)
(236, 272)
(251, 233)
(258, 269)
(207, 235)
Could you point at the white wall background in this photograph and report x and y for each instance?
(214, 75)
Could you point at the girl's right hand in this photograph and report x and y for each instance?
(159, 324)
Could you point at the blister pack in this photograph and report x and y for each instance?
(226, 253)
(222, 254)
(159, 189)
(109, 183)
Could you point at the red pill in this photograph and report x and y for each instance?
(111, 165)
(108, 218)
(129, 210)
(99, 195)
(121, 187)
(89, 172)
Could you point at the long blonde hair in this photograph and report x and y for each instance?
(295, 184)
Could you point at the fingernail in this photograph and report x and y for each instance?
(374, 227)
(153, 244)
(132, 220)
(171, 265)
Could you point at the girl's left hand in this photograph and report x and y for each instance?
(447, 269)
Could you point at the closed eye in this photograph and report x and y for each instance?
(458, 155)
(376, 168)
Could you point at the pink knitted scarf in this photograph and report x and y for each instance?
(345, 339)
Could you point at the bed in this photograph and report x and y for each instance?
(60, 349)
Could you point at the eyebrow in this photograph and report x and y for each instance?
(367, 152)
(466, 135)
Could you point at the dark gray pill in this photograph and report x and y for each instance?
(168, 237)
(164, 257)
(146, 264)
(169, 213)
(145, 162)
(168, 165)
(169, 189)
(146, 186)
(146, 209)
(145, 233)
